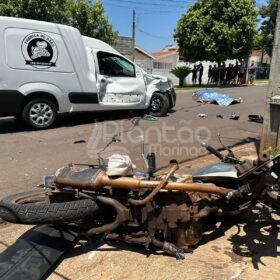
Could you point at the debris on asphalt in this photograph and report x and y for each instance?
(220, 116)
(149, 118)
(234, 116)
(202, 116)
(256, 118)
(206, 96)
(79, 141)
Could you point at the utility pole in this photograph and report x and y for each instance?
(133, 31)
(271, 126)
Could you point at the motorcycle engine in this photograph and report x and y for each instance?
(175, 217)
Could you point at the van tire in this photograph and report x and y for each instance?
(159, 106)
(45, 107)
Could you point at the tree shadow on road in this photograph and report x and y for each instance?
(256, 236)
(96, 244)
(260, 237)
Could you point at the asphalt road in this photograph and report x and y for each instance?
(28, 155)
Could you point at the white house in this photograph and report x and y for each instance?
(143, 59)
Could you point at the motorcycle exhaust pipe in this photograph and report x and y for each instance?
(103, 180)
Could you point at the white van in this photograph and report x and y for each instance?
(48, 68)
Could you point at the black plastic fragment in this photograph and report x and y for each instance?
(36, 252)
(255, 118)
(79, 141)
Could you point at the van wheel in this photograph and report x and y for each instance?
(159, 105)
(39, 113)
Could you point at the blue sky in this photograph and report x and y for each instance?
(155, 19)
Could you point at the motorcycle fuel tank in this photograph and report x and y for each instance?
(220, 172)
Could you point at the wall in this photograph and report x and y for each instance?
(125, 46)
(188, 80)
(173, 61)
(143, 61)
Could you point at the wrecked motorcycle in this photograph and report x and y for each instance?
(145, 208)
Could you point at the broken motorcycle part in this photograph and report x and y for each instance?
(234, 116)
(203, 116)
(255, 118)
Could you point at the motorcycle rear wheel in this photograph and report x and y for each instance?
(31, 208)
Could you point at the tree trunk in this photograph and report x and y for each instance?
(181, 82)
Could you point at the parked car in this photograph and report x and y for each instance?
(49, 68)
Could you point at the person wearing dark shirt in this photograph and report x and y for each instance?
(201, 69)
(215, 74)
(222, 73)
(194, 75)
(229, 74)
(210, 75)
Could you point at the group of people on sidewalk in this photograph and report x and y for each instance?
(223, 74)
(197, 71)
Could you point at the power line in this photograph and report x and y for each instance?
(152, 35)
(178, 1)
(147, 4)
(143, 9)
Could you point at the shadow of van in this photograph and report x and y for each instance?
(14, 125)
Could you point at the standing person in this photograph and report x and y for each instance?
(252, 72)
(222, 73)
(210, 75)
(194, 75)
(228, 74)
(241, 72)
(216, 74)
(201, 69)
(235, 73)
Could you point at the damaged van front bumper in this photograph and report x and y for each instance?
(157, 83)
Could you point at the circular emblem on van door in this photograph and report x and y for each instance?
(39, 50)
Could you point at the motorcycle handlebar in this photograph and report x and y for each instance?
(212, 150)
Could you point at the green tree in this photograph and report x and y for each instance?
(181, 73)
(46, 10)
(216, 30)
(258, 41)
(89, 17)
(268, 25)
(91, 20)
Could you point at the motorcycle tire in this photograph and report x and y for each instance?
(30, 208)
